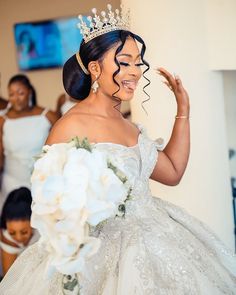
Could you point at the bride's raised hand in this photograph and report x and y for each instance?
(174, 84)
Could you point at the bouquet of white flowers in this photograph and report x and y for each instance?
(74, 186)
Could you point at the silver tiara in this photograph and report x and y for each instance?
(106, 22)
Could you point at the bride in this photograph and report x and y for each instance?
(157, 248)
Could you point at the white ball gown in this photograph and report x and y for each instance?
(157, 248)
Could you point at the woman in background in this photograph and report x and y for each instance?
(23, 130)
(3, 103)
(4, 106)
(16, 231)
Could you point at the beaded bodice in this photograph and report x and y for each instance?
(138, 162)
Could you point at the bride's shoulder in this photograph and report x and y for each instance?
(139, 126)
(67, 127)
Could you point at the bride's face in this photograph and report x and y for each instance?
(130, 62)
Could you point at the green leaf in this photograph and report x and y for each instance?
(82, 144)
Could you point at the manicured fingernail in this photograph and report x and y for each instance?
(176, 77)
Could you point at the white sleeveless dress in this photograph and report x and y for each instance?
(67, 105)
(23, 139)
(157, 249)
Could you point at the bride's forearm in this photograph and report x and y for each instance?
(178, 147)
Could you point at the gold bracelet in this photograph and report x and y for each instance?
(181, 117)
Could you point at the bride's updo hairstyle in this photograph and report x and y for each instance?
(76, 83)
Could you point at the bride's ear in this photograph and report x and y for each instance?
(94, 68)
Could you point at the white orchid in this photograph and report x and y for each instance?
(74, 186)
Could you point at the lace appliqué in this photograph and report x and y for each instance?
(157, 249)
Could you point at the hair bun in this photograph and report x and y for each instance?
(76, 83)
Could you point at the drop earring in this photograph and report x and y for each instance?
(30, 102)
(95, 86)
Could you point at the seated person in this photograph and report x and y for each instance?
(16, 231)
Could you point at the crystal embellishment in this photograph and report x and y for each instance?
(107, 21)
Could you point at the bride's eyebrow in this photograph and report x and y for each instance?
(128, 55)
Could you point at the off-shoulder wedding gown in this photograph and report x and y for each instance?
(157, 248)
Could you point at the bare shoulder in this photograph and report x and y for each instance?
(67, 127)
(37, 110)
(2, 120)
(133, 127)
(52, 117)
(61, 99)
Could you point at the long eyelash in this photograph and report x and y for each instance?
(127, 64)
(123, 64)
(140, 64)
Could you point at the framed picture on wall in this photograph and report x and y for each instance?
(46, 44)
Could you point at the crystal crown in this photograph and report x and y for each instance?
(106, 22)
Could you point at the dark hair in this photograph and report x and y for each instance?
(17, 206)
(76, 83)
(25, 81)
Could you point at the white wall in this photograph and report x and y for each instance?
(176, 37)
(229, 78)
(221, 33)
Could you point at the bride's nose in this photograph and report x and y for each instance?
(135, 71)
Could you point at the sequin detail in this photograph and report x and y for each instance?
(157, 249)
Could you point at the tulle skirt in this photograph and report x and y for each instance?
(156, 249)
